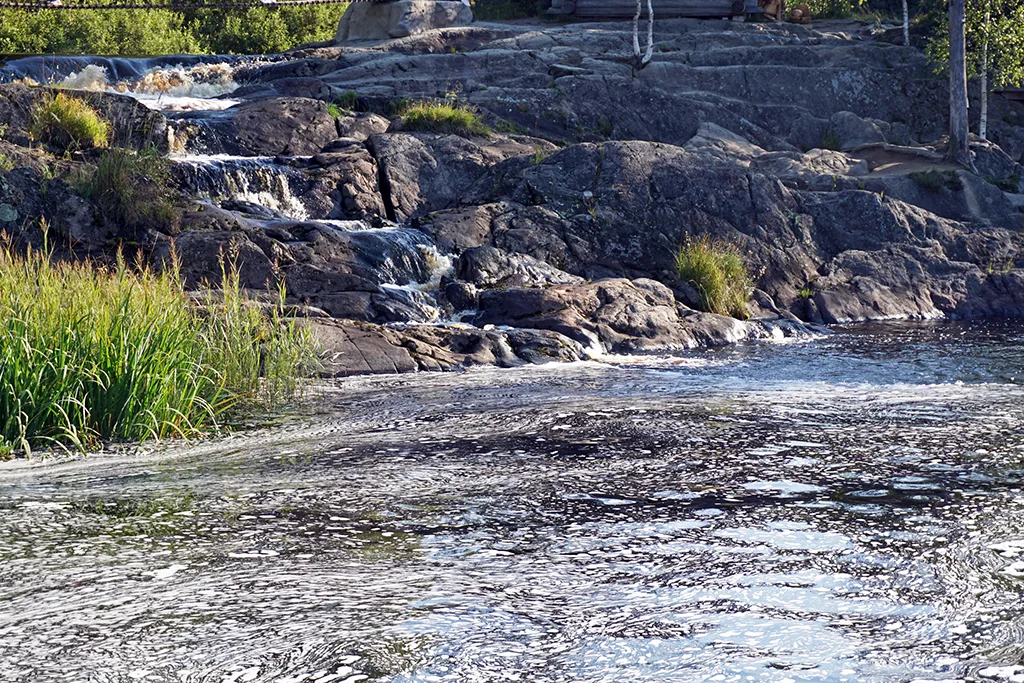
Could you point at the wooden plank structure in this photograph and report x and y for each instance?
(663, 9)
(1015, 94)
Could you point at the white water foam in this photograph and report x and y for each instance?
(172, 88)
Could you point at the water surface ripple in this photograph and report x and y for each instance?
(848, 509)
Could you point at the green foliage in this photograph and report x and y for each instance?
(6, 163)
(805, 292)
(830, 140)
(504, 10)
(935, 180)
(999, 23)
(131, 189)
(334, 110)
(89, 354)
(1008, 184)
(443, 117)
(67, 123)
(347, 100)
(153, 32)
(719, 274)
(834, 9)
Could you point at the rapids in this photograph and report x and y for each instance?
(844, 509)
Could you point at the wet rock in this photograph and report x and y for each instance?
(489, 267)
(425, 172)
(290, 126)
(349, 348)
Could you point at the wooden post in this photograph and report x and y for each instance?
(959, 151)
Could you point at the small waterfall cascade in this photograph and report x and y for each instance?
(257, 180)
(175, 83)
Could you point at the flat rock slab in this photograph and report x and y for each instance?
(386, 20)
(354, 349)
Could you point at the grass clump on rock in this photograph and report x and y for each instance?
(717, 271)
(443, 117)
(68, 123)
(130, 188)
(90, 354)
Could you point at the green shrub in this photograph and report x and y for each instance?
(719, 274)
(6, 163)
(68, 123)
(1008, 184)
(334, 110)
(157, 32)
(805, 292)
(936, 180)
(830, 141)
(347, 100)
(443, 117)
(833, 9)
(131, 189)
(503, 10)
(90, 354)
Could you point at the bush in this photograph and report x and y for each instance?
(830, 140)
(68, 123)
(936, 180)
(718, 272)
(443, 117)
(503, 10)
(89, 354)
(131, 189)
(158, 32)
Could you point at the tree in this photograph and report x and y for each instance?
(994, 37)
(640, 61)
(959, 152)
(906, 24)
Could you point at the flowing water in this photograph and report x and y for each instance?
(846, 509)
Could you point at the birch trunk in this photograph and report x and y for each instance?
(959, 151)
(983, 124)
(906, 24)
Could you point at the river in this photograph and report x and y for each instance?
(845, 509)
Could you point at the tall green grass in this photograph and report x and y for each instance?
(719, 274)
(130, 188)
(90, 354)
(68, 123)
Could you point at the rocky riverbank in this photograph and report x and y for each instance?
(816, 149)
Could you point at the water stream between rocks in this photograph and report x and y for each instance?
(846, 509)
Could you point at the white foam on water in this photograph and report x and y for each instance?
(173, 88)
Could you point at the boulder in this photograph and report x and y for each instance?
(489, 267)
(386, 20)
(852, 131)
(290, 126)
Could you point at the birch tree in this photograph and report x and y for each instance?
(642, 60)
(906, 24)
(994, 48)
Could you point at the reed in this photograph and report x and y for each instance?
(92, 354)
(719, 274)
